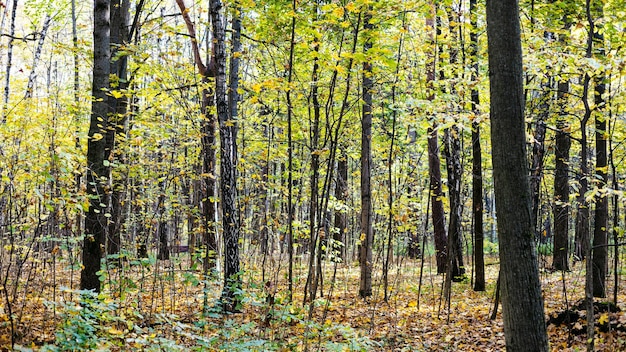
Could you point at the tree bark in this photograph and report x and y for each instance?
(477, 172)
(97, 172)
(524, 320)
(601, 220)
(561, 190)
(341, 193)
(7, 79)
(227, 117)
(367, 234)
(453, 162)
(118, 107)
(436, 198)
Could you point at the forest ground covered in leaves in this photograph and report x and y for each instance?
(160, 308)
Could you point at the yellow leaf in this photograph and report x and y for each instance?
(257, 88)
(97, 136)
(604, 318)
(412, 304)
(338, 12)
(116, 94)
(114, 331)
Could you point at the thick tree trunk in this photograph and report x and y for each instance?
(120, 17)
(227, 117)
(524, 320)
(97, 172)
(562, 206)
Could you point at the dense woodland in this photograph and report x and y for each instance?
(312, 175)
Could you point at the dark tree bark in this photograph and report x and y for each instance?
(436, 196)
(477, 172)
(601, 220)
(561, 189)
(227, 117)
(434, 163)
(452, 137)
(582, 213)
(118, 109)
(314, 273)
(454, 245)
(97, 172)
(524, 321)
(561, 177)
(290, 210)
(367, 234)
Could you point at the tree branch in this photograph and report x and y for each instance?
(194, 41)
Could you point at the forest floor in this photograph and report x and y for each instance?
(160, 308)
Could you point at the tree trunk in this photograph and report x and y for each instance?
(524, 320)
(97, 172)
(601, 223)
(33, 72)
(436, 198)
(7, 79)
(477, 172)
(341, 193)
(313, 277)
(227, 117)
(209, 202)
(434, 163)
(120, 14)
(367, 234)
(455, 246)
(561, 189)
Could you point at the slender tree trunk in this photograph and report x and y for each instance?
(97, 172)
(477, 172)
(561, 187)
(7, 80)
(390, 159)
(436, 196)
(434, 163)
(341, 193)
(77, 122)
(455, 247)
(523, 315)
(601, 220)
(314, 229)
(367, 234)
(290, 209)
(33, 72)
(208, 128)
